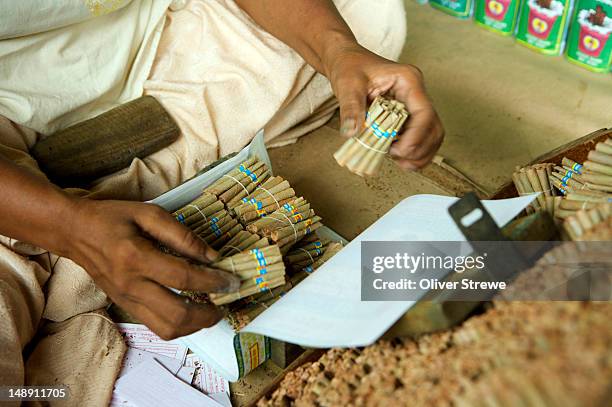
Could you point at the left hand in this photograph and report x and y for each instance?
(358, 76)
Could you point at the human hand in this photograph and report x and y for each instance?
(358, 76)
(116, 242)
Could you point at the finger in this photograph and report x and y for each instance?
(420, 138)
(423, 129)
(167, 314)
(178, 273)
(421, 156)
(160, 225)
(176, 309)
(352, 100)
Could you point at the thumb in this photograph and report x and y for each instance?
(352, 101)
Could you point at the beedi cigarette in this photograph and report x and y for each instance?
(572, 165)
(237, 243)
(257, 279)
(597, 178)
(332, 249)
(242, 175)
(212, 235)
(224, 233)
(584, 220)
(566, 181)
(260, 203)
(212, 226)
(534, 180)
(203, 213)
(595, 216)
(604, 148)
(590, 196)
(600, 157)
(248, 256)
(576, 205)
(363, 153)
(192, 207)
(269, 195)
(365, 144)
(303, 254)
(550, 204)
(246, 194)
(251, 216)
(227, 236)
(597, 167)
(212, 218)
(217, 185)
(293, 229)
(562, 213)
(272, 270)
(542, 174)
(291, 212)
(252, 264)
(573, 227)
(518, 184)
(313, 243)
(597, 187)
(228, 298)
(279, 221)
(566, 172)
(244, 186)
(367, 134)
(524, 180)
(373, 146)
(294, 238)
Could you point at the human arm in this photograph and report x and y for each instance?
(315, 29)
(115, 242)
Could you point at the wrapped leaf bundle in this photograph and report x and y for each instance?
(579, 186)
(583, 221)
(305, 254)
(259, 269)
(537, 178)
(243, 240)
(264, 200)
(287, 225)
(198, 210)
(363, 154)
(232, 187)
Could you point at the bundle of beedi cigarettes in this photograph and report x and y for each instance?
(264, 234)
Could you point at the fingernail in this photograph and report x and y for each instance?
(233, 284)
(348, 128)
(212, 254)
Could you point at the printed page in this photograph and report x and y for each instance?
(215, 346)
(326, 310)
(140, 337)
(149, 384)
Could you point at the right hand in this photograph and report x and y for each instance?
(115, 241)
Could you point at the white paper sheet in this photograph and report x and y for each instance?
(207, 379)
(326, 310)
(133, 357)
(149, 384)
(186, 374)
(140, 337)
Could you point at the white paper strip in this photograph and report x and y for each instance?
(325, 310)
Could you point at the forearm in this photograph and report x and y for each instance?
(32, 209)
(314, 28)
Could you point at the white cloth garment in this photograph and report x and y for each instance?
(85, 62)
(217, 73)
